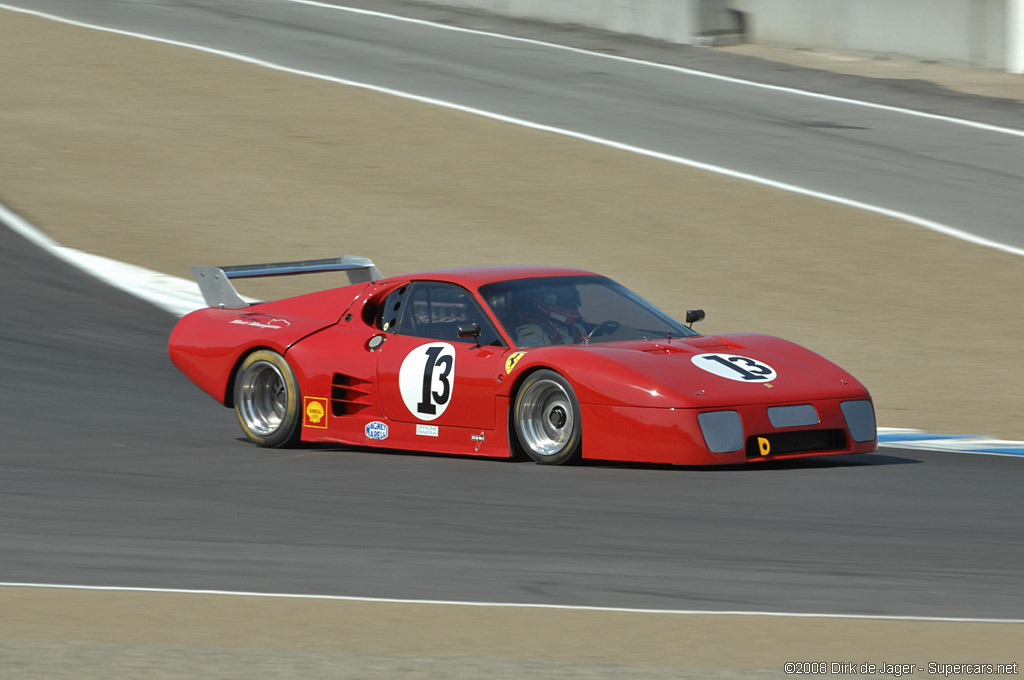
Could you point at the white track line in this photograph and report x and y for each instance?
(513, 605)
(791, 188)
(667, 67)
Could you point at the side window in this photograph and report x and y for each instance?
(391, 311)
(436, 310)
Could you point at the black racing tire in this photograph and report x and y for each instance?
(546, 415)
(267, 400)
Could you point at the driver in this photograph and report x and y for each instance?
(551, 316)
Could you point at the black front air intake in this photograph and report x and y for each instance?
(796, 442)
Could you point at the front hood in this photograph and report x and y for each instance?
(705, 372)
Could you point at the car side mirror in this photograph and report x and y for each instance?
(693, 316)
(470, 330)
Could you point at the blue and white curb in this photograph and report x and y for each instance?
(960, 443)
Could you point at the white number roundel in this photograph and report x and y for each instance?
(427, 378)
(735, 367)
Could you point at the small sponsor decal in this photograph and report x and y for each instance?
(426, 430)
(314, 412)
(261, 321)
(376, 430)
(478, 438)
(511, 362)
(764, 445)
(733, 367)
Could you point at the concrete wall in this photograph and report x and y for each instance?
(678, 21)
(971, 32)
(979, 33)
(1015, 36)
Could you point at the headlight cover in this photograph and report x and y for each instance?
(860, 419)
(722, 430)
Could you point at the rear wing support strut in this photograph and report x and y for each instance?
(218, 291)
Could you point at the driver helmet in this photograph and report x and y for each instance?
(560, 304)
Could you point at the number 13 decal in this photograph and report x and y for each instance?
(426, 380)
(735, 367)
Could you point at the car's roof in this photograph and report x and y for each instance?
(472, 277)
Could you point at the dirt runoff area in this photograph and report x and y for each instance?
(165, 157)
(87, 634)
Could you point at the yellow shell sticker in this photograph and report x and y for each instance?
(511, 362)
(315, 412)
(386, 326)
(764, 445)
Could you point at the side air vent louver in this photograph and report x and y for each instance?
(349, 395)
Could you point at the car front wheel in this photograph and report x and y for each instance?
(547, 420)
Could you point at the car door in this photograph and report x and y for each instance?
(426, 373)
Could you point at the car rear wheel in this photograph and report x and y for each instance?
(267, 399)
(547, 420)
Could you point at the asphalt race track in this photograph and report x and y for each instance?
(118, 472)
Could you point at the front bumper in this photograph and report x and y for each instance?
(729, 435)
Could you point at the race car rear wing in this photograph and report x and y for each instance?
(218, 291)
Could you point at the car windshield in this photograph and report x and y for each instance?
(563, 310)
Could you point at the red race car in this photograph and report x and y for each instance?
(556, 363)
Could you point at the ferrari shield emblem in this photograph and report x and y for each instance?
(511, 362)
